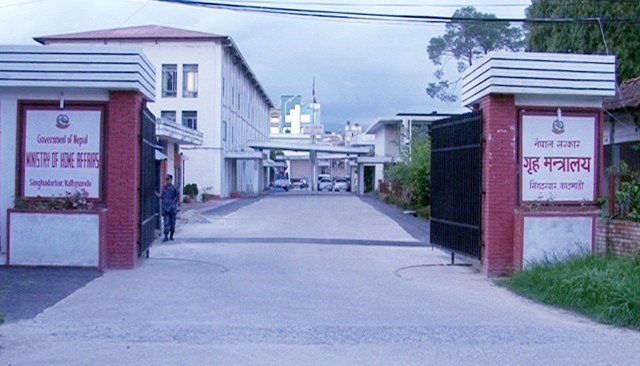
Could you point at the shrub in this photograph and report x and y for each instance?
(396, 201)
(627, 197)
(206, 194)
(191, 190)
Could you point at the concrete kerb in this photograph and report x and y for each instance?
(193, 211)
(204, 206)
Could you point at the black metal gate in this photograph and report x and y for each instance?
(148, 182)
(456, 183)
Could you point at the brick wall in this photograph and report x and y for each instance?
(618, 237)
(103, 238)
(499, 183)
(518, 238)
(123, 178)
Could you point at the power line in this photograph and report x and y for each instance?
(398, 5)
(382, 17)
(134, 13)
(20, 3)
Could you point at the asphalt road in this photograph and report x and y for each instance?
(27, 291)
(305, 279)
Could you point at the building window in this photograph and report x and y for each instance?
(190, 119)
(169, 81)
(224, 130)
(170, 116)
(190, 81)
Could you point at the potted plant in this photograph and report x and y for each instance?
(191, 192)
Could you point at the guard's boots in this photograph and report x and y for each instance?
(171, 236)
(166, 238)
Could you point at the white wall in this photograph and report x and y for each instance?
(247, 117)
(202, 166)
(380, 150)
(36, 239)
(386, 145)
(556, 237)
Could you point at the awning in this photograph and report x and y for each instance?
(161, 156)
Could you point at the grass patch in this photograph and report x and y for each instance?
(4, 292)
(396, 201)
(605, 288)
(424, 212)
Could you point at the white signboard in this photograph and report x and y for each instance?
(558, 158)
(313, 129)
(61, 153)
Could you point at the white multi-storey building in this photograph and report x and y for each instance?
(203, 84)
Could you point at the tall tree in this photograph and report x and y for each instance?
(616, 32)
(468, 37)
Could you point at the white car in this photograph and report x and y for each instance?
(341, 184)
(325, 184)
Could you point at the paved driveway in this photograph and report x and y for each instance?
(307, 279)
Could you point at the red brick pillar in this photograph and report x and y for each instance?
(499, 181)
(123, 178)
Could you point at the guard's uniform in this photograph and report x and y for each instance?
(169, 198)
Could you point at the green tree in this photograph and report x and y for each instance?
(468, 37)
(620, 26)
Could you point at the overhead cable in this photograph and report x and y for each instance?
(347, 15)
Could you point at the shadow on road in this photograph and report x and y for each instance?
(27, 291)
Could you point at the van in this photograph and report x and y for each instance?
(282, 181)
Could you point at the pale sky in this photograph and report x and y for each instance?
(363, 70)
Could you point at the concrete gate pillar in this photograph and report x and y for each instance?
(542, 155)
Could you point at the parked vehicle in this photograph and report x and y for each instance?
(321, 177)
(325, 184)
(281, 180)
(341, 184)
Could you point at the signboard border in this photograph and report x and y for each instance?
(596, 114)
(53, 105)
